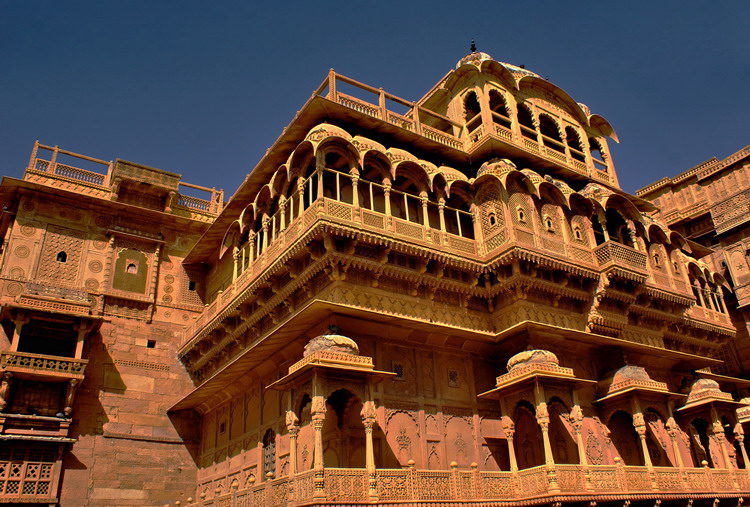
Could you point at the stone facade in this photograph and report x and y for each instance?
(452, 304)
(709, 204)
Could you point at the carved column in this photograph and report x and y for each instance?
(425, 216)
(266, 221)
(70, 395)
(739, 435)
(235, 259)
(673, 431)
(292, 426)
(542, 418)
(639, 423)
(576, 420)
(355, 192)
(5, 382)
(718, 429)
(301, 192)
(282, 213)
(19, 321)
(171, 201)
(603, 223)
(368, 420)
(81, 328)
(510, 430)
(318, 415)
(387, 197)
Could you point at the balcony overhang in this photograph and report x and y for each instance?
(25, 365)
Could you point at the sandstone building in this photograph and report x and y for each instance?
(448, 300)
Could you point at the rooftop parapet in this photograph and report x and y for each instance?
(145, 186)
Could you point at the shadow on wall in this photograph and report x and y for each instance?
(187, 424)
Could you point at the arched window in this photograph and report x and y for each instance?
(617, 228)
(574, 144)
(526, 122)
(701, 443)
(597, 155)
(269, 453)
(499, 109)
(550, 133)
(471, 112)
(625, 438)
(458, 218)
(61, 257)
(528, 437)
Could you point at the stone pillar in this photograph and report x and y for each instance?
(69, 396)
(318, 415)
(282, 213)
(82, 328)
(673, 431)
(355, 192)
(19, 321)
(739, 435)
(542, 418)
(171, 201)
(5, 382)
(387, 197)
(639, 423)
(721, 438)
(235, 259)
(266, 221)
(368, 420)
(510, 430)
(292, 426)
(301, 192)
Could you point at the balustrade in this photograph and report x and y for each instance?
(410, 484)
(24, 362)
(611, 253)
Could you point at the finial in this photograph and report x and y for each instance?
(473, 46)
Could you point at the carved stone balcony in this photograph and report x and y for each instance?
(42, 367)
(532, 486)
(622, 260)
(34, 427)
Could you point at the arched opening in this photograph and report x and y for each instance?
(625, 439)
(305, 437)
(370, 187)
(458, 219)
(61, 257)
(596, 225)
(526, 122)
(528, 437)
(550, 134)
(499, 109)
(735, 453)
(269, 453)
(472, 115)
(337, 183)
(597, 155)
(343, 431)
(575, 146)
(657, 439)
(700, 442)
(405, 201)
(617, 228)
(564, 448)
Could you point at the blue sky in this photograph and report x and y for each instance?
(203, 88)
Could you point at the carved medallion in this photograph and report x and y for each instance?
(169, 279)
(167, 298)
(22, 251)
(14, 289)
(27, 230)
(95, 266)
(100, 243)
(92, 284)
(102, 221)
(17, 273)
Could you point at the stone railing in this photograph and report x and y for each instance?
(43, 365)
(532, 486)
(613, 254)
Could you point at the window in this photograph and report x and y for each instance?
(151, 344)
(550, 133)
(471, 112)
(574, 144)
(62, 257)
(131, 268)
(548, 224)
(526, 121)
(499, 109)
(597, 155)
(191, 285)
(577, 232)
(521, 215)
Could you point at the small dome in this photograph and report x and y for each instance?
(332, 343)
(475, 57)
(533, 356)
(496, 166)
(704, 384)
(630, 372)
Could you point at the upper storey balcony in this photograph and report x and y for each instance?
(526, 133)
(122, 181)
